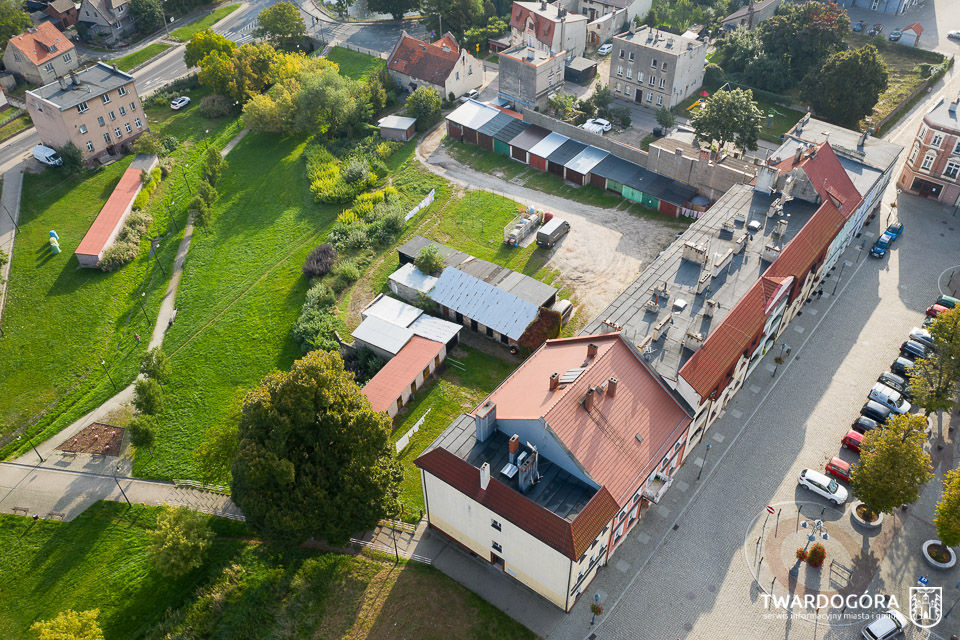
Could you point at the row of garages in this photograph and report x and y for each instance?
(582, 164)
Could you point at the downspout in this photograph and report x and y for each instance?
(566, 597)
(426, 499)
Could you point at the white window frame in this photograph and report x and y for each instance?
(629, 74)
(630, 56)
(663, 82)
(626, 89)
(105, 98)
(653, 64)
(48, 67)
(653, 80)
(82, 107)
(106, 137)
(659, 100)
(138, 123)
(913, 154)
(133, 106)
(89, 146)
(649, 97)
(83, 128)
(952, 170)
(117, 132)
(123, 111)
(928, 159)
(936, 140)
(67, 57)
(956, 148)
(113, 116)
(620, 70)
(663, 66)
(119, 9)
(121, 92)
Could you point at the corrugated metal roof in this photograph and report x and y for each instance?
(565, 152)
(435, 329)
(615, 168)
(584, 162)
(409, 276)
(511, 131)
(496, 123)
(396, 122)
(382, 334)
(472, 114)
(660, 187)
(391, 310)
(548, 145)
(529, 137)
(503, 312)
(387, 386)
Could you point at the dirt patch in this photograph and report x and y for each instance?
(98, 438)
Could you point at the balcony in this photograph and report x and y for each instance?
(657, 487)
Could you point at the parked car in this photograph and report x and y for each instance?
(838, 469)
(603, 123)
(935, 310)
(913, 350)
(875, 411)
(597, 125)
(863, 424)
(823, 486)
(605, 49)
(473, 94)
(954, 35)
(894, 35)
(948, 301)
(889, 398)
(876, 30)
(895, 229)
(549, 234)
(923, 337)
(888, 624)
(179, 103)
(895, 382)
(47, 156)
(852, 441)
(901, 366)
(859, 26)
(879, 248)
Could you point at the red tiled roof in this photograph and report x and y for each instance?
(542, 26)
(569, 538)
(395, 376)
(603, 441)
(827, 176)
(430, 62)
(810, 244)
(36, 46)
(770, 286)
(916, 27)
(110, 217)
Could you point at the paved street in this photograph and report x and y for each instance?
(936, 16)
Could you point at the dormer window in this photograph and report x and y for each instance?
(119, 9)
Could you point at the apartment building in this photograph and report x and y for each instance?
(932, 169)
(529, 77)
(655, 69)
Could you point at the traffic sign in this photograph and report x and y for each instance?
(923, 581)
(770, 509)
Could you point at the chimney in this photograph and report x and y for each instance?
(74, 78)
(485, 420)
(543, 5)
(513, 447)
(588, 400)
(484, 476)
(115, 70)
(63, 82)
(863, 138)
(799, 154)
(612, 387)
(554, 381)
(528, 474)
(591, 350)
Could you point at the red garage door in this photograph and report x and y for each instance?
(538, 162)
(667, 208)
(576, 178)
(485, 141)
(453, 131)
(598, 182)
(470, 135)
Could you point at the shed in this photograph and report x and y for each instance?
(463, 122)
(410, 283)
(399, 379)
(578, 168)
(382, 337)
(612, 172)
(521, 145)
(502, 138)
(538, 154)
(562, 155)
(916, 29)
(397, 128)
(580, 70)
(392, 310)
(485, 132)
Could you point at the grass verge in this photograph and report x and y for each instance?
(137, 58)
(184, 33)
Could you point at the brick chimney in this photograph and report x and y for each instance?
(592, 350)
(612, 387)
(588, 401)
(554, 381)
(513, 446)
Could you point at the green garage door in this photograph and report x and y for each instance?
(631, 194)
(614, 186)
(501, 147)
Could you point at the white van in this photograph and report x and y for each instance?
(47, 156)
(889, 398)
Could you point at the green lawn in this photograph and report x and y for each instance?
(589, 194)
(15, 126)
(137, 58)
(452, 393)
(186, 32)
(486, 161)
(352, 64)
(783, 118)
(245, 590)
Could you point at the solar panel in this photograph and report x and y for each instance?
(571, 375)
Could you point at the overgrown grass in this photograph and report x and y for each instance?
(137, 58)
(352, 64)
(13, 126)
(589, 194)
(184, 33)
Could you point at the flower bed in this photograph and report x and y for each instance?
(98, 438)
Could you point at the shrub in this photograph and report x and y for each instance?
(180, 541)
(215, 106)
(140, 202)
(118, 255)
(545, 326)
(348, 270)
(386, 149)
(170, 143)
(314, 329)
(817, 555)
(72, 158)
(141, 431)
(801, 554)
(319, 296)
(347, 216)
(714, 74)
(429, 260)
(320, 261)
(4, 258)
(355, 170)
(620, 116)
(147, 396)
(206, 192)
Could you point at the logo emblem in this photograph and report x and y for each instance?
(926, 606)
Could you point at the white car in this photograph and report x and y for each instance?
(473, 94)
(822, 485)
(47, 156)
(954, 34)
(603, 123)
(888, 624)
(179, 103)
(605, 49)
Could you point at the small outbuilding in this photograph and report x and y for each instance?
(410, 283)
(580, 70)
(397, 128)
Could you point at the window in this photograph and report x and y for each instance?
(489, 332)
(504, 339)
(117, 132)
(128, 127)
(83, 128)
(458, 75)
(952, 170)
(133, 106)
(89, 146)
(928, 160)
(631, 56)
(137, 122)
(956, 148)
(626, 89)
(117, 25)
(48, 67)
(913, 154)
(100, 121)
(67, 57)
(497, 547)
(470, 70)
(496, 525)
(123, 111)
(16, 56)
(653, 65)
(619, 69)
(122, 91)
(113, 116)
(106, 138)
(629, 74)
(663, 81)
(649, 97)
(663, 67)
(936, 140)
(616, 87)
(621, 54)
(653, 80)
(105, 98)
(659, 100)
(119, 10)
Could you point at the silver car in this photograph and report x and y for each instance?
(888, 624)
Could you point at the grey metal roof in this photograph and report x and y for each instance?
(548, 145)
(409, 276)
(496, 123)
(382, 334)
(581, 64)
(435, 329)
(391, 310)
(566, 152)
(396, 122)
(500, 310)
(93, 82)
(472, 114)
(615, 168)
(846, 142)
(511, 130)
(586, 160)
(660, 187)
(529, 137)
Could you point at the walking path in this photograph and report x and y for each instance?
(10, 205)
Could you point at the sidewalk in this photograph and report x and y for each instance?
(9, 214)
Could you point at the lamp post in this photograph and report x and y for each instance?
(183, 170)
(12, 219)
(117, 480)
(236, 105)
(41, 457)
(818, 528)
(844, 264)
(103, 364)
(145, 316)
(704, 461)
(206, 145)
(779, 359)
(170, 213)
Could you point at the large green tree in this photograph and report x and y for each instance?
(69, 625)
(13, 20)
(424, 104)
(147, 396)
(148, 14)
(896, 468)
(739, 48)
(282, 25)
(204, 43)
(478, 36)
(947, 517)
(156, 365)
(848, 85)
(934, 380)
(314, 459)
(240, 75)
(729, 116)
(396, 8)
(455, 16)
(803, 35)
(180, 540)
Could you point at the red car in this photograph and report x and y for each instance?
(838, 469)
(852, 441)
(936, 310)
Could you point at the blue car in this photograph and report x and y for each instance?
(880, 247)
(858, 27)
(894, 230)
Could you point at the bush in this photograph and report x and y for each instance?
(354, 170)
(817, 555)
(314, 329)
(147, 396)
(320, 261)
(347, 270)
(4, 258)
(72, 158)
(215, 106)
(118, 255)
(206, 192)
(141, 431)
(319, 296)
(429, 260)
(386, 149)
(714, 74)
(170, 143)
(179, 543)
(545, 326)
(620, 116)
(801, 554)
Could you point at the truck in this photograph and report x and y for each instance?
(550, 233)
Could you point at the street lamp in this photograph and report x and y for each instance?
(41, 459)
(206, 145)
(818, 528)
(107, 371)
(122, 492)
(12, 219)
(779, 359)
(704, 461)
(170, 213)
(183, 170)
(145, 316)
(844, 264)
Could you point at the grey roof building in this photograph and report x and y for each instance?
(485, 306)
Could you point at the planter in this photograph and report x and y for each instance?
(855, 513)
(934, 562)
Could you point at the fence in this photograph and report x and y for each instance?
(358, 49)
(193, 484)
(423, 203)
(404, 440)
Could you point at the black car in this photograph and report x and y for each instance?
(913, 350)
(875, 411)
(896, 383)
(864, 424)
(901, 366)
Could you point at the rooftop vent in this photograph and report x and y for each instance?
(754, 226)
(694, 252)
(571, 375)
(528, 469)
(709, 307)
(513, 446)
(484, 476)
(658, 328)
(679, 305)
(639, 438)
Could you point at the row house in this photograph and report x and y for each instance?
(932, 169)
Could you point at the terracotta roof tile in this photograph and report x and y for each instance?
(395, 376)
(430, 62)
(827, 176)
(43, 44)
(542, 25)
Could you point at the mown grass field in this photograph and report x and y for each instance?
(184, 33)
(137, 58)
(245, 590)
(352, 64)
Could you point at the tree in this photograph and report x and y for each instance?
(329, 103)
(180, 540)
(148, 14)
(429, 260)
(241, 74)
(142, 434)
(729, 116)
(213, 166)
(665, 118)
(155, 365)
(204, 43)
(282, 25)
(561, 105)
(478, 36)
(769, 74)
(147, 396)
(206, 192)
(314, 459)
(70, 625)
(897, 466)
(620, 116)
(342, 6)
(740, 47)
(601, 99)
(848, 85)
(72, 158)
(803, 35)
(200, 211)
(13, 20)
(947, 517)
(396, 8)
(424, 105)
(456, 16)
(934, 380)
